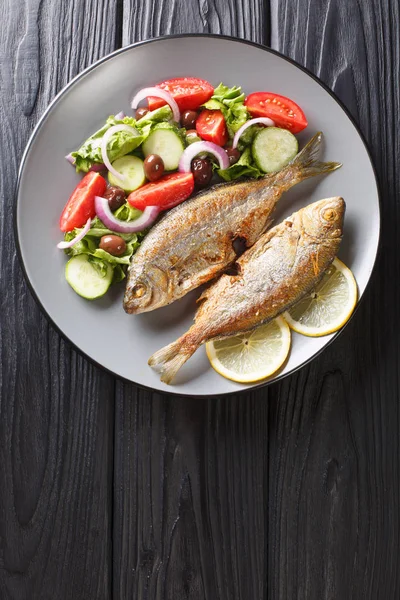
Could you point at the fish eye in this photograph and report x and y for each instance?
(138, 290)
(329, 214)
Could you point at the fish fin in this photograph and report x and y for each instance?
(307, 162)
(171, 358)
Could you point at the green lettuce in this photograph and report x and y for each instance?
(230, 101)
(89, 244)
(245, 167)
(121, 143)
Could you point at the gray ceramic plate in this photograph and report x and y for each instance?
(101, 329)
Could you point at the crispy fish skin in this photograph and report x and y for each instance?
(280, 268)
(194, 242)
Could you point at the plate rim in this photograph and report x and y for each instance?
(127, 48)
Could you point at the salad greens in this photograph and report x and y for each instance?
(121, 143)
(230, 101)
(98, 257)
(244, 167)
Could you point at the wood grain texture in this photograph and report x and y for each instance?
(56, 410)
(334, 427)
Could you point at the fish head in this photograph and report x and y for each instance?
(147, 289)
(323, 219)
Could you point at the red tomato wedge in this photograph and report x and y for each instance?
(189, 93)
(286, 113)
(80, 205)
(211, 126)
(165, 193)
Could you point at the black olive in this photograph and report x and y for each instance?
(202, 171)
(115, 196)
(188, 119)
(153, 167)
(113, 244)
(141, 112)
(233, 155)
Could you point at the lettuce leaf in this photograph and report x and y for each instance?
(90, 243)
(120, 144)
(245, 167)
(231, 102)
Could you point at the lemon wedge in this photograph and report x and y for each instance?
(251, 356)
(328, 306)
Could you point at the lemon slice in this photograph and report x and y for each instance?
(329, 306)
(251, 356)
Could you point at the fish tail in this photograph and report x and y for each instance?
(307, 164)
(170, 359)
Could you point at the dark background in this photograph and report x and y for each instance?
(290, 492)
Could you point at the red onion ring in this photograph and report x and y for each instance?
(81, 234)
(119, 116)
(264, 120)
(185, 163)
(106, 138)
(105, 215)
(159, 93)
(70, 158)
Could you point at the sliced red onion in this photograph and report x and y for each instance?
(70, 158)
(262, 120)
(105, 215)
(106, 138)
(119, 116)
(98, 167)
(81, 234)
(159, 93)
(185, 163)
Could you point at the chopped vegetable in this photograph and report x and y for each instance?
(244, 167)
(131, 173)
(160, 93)
(104, 213)
(64, 245)
(165, 193)
(189, 92)
(230, 101)
(104, 143)
(80, 206)
(274, 148)
(198, 148)
(166, 141)
(211, 127)
(87, 278)
(262, 120)
(286, 113)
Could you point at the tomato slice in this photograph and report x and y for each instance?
(80, 205)
(286, 113)
(211, 126)
(189, 92)
(165, 193)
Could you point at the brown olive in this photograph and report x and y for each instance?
(141, 112)
(188, 119)
(115, 196)
(233, 155)
(113, 244)
(202, 171)
(153, 167)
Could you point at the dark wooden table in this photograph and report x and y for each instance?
(291, 492)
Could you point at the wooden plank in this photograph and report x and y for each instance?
(190, 477)
(56, 410)
(334, 427)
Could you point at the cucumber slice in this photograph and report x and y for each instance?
(132, 168)
(166, 143)
(274, 148)
(85, 279)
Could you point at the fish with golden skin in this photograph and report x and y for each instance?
(280, 268)
(196, 240)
